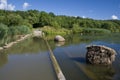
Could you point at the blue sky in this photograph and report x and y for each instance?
(96, 9)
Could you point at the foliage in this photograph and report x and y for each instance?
(7, 34)
(3, 30)
(37, 19)
(95, 30)
(77, 29)
(52, 30)
(18, 30)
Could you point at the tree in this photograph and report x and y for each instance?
(13, 20)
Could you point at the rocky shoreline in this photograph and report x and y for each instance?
(14, 42)
(36, 33)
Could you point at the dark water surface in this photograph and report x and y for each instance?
(71, 57)
(29, 60)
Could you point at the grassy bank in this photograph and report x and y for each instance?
(95, 30)
(62, 31)
(11, 33)
(90, 30)
(55, 31)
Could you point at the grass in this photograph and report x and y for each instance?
(50, 30)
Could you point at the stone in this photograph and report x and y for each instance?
(1, 48)
(59, 38)
(38, 33)
(97, 54)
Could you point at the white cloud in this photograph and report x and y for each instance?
(25, 5)
(83, 17)
(11, 7)
(4, 5)
(114, 17)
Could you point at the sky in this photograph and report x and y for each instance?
(95, 9)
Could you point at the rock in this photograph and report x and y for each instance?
(1, 48)
(97, 54)
(38, 33)
(59, 38)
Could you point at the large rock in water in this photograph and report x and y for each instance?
(97, 54)
(59, 38)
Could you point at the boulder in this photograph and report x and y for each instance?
(59, 38)
(1, 48)
(97, 54)
(38, 33)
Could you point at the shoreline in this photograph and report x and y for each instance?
(6, 46)
(36, 33)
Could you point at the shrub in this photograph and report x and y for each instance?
(19, 30)
(52, 30)
(3, 30)
(23, 29)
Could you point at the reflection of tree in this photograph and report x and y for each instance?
(31, 45)
(3, 58)
(88, 38)
(100, 72)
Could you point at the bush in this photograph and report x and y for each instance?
(19, 30)
(3, 30)
(52, 30)
(77, 29)
(23, 29)
(13, 31)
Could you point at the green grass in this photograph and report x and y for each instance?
(95, 30)
(90, 30)
(50, 30)
(8, 34)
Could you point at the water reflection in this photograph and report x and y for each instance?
(100, 72)
(60, 43)
(32, 46)
(3, 58)
(71, 57)
(27, 60)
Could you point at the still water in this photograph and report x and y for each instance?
(71, 57)
(29, 60)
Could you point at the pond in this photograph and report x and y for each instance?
(71, 57)
(29, 59)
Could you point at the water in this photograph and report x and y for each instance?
(71, 57)
(29, 60)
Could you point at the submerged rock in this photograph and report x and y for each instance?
(97, 54)
(59, 38)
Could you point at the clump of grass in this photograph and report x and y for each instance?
(50, 30)
(8, 34)
(90, 30)
(95, 30)
(3, 30)
(19, 30)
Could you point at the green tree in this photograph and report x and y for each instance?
(13, 20)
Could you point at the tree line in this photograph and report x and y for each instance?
(14, 23)
(35, 19)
